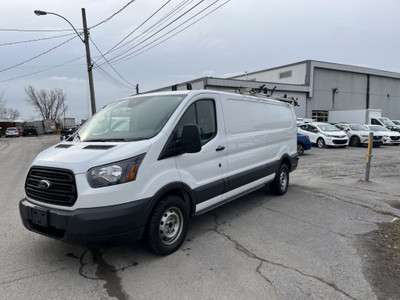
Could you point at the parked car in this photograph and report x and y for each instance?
(359, 134)
(12, 132)
(300, 121)
(30, 130)
(303, 143)
(324, 134)
(397, 122)
(385, 122)
(389, 136)
(67, 133)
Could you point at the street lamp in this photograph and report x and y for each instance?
(85, 40)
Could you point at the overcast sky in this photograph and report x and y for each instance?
(239, 36)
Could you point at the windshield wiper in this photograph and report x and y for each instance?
(105, 140)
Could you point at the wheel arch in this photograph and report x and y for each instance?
(285, 159)
(174, 188)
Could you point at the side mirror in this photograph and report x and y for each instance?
(190, 140)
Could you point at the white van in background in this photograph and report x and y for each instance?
(143, 165)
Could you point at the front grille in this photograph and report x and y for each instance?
(62, 190)
(395, 138)
(339, 142)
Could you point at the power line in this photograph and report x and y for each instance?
(151, 28)
(113, 15)
(41, 54)
(110, 64)
(137, 27)
(174, 33)
(33, 30)
(137, 52)
(158, 31)
(112, 79)
(36, 40)
(43, 70)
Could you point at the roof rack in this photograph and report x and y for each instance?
(262, 92)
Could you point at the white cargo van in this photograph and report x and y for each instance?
(143, 165)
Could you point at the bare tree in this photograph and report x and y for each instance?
(50, 105)
(13, 114)
(7, 113)
(3, 108)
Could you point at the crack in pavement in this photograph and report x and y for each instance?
(252, 255)
(32, 276)
(327, 196)
(300, 220)
(258, 270)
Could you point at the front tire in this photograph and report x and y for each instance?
(320, 143)
(354, 141)
(168, 225)
(281, 182)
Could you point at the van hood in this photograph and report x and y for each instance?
(81, 156)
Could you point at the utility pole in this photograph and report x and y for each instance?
(89, 62)
(85, 40)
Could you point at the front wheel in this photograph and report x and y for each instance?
(281, 182)
(320, 143)
(354, 141)
(168, 225)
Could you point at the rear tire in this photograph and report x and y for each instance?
(168, 226)
(320, 143)
(300, 149)
(281, 182)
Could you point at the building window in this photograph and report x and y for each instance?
(320, 115)
(285, 74)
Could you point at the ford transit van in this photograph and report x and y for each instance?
(144, 165)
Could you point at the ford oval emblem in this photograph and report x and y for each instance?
(44, 184)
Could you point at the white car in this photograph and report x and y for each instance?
(12, 131)
(359, 134)
(323, 134)
(389, 137)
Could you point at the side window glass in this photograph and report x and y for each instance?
(201, 113)
(375, 122)
(206, 120)
(189, 117)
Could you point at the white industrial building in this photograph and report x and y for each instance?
(319, 86)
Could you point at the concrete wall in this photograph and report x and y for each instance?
(298, 74)
(337, 90)
(385, 94)
(351, 92)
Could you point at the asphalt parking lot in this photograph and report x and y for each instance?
(316, 242)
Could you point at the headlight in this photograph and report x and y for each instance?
(114, 173)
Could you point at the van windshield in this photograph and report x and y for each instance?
(387, 122)
(132, 119)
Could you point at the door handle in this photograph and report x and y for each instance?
(220, 148)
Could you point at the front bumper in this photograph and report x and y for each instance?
(87, 226)
(337, 142)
